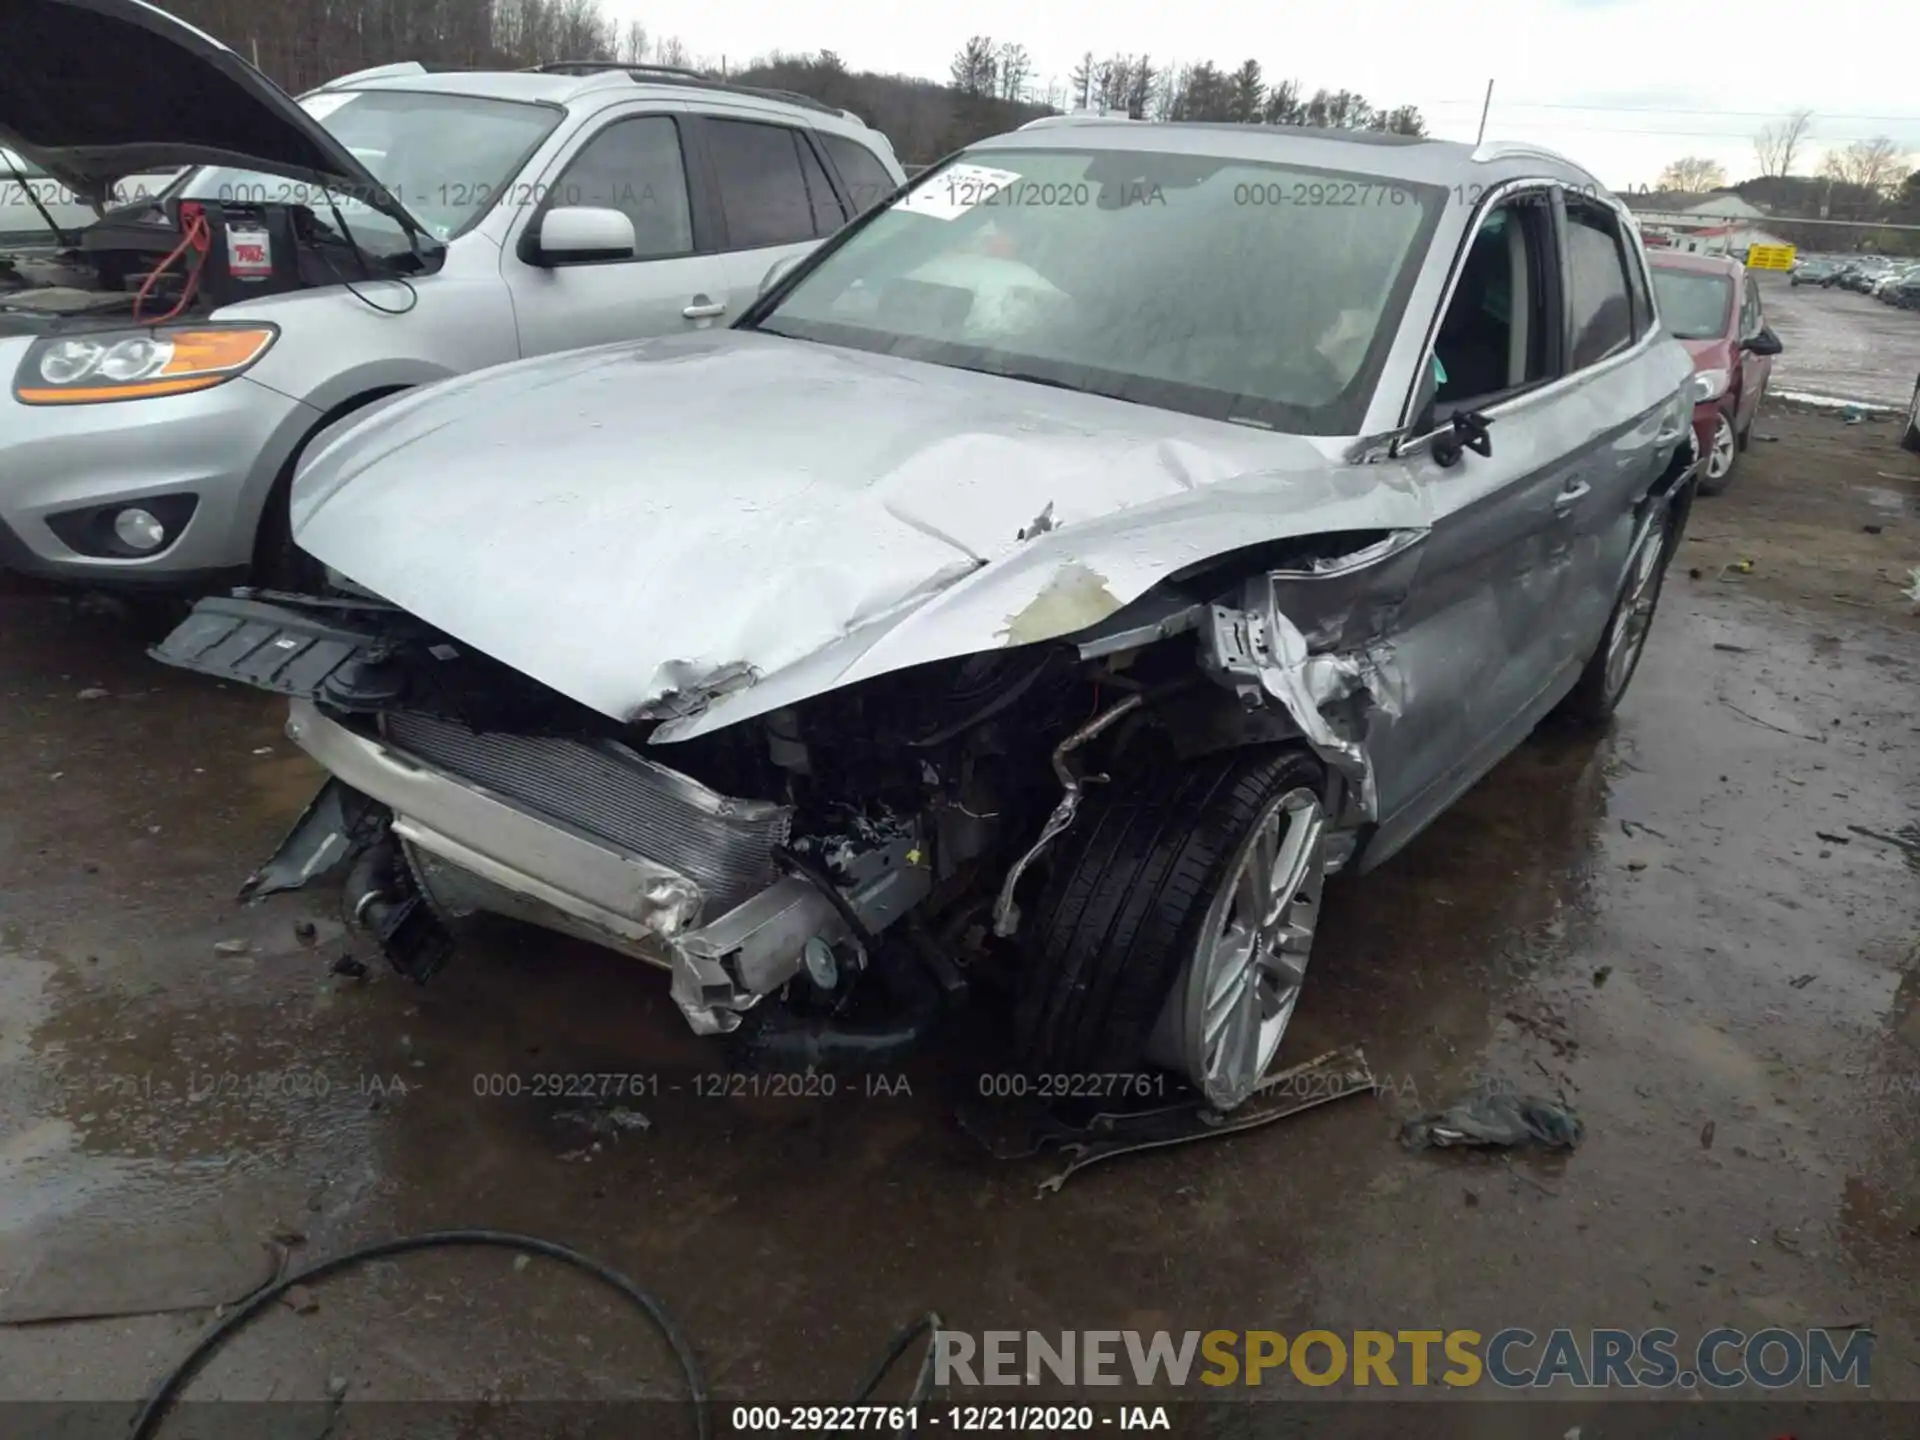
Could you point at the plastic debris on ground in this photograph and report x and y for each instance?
(1500, 1118)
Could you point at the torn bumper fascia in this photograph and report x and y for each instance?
(625, 901)
(1331, 696)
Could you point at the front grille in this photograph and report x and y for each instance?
(723, 845)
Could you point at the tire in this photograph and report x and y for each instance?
(1136, 890)
(1601, 686)
(1910, 436)
(1723, 454)
(1746, 435)
(278, 563)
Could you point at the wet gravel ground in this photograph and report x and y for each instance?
(1842, 344)
(1703, 930)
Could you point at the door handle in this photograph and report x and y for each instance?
(1574, 492)
(704, 309)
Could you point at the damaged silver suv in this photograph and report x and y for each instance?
(1057, 574)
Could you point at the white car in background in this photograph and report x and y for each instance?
(34, 205)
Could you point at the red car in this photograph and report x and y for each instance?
(1712, 305)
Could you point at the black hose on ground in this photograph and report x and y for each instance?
(168, 1388)
(154, 1410)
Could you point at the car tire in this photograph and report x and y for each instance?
(1746, 435)
(1723, 454)
(1610, 669)
(1134, 906)
(278, 563)
(1910, 436)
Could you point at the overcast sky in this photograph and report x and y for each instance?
(1622, 86)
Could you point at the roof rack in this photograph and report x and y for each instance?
(676, 75)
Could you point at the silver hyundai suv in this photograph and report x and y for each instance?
(391, 228)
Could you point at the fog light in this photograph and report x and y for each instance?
(139, 530)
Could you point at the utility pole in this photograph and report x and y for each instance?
(1485, 105)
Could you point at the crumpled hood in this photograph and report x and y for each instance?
(706, 527)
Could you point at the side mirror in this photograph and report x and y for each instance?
(1765, 343)
(779, 271)
(575, 234)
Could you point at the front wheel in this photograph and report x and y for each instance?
(1722, 453)
(1178, 922)
(1609, 670)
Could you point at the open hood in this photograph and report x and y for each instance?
(93, 90)
(699, 529)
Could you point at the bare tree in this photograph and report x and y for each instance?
(1081, 81)
(1169, 92)
(1016, 69)
(1283, 105)
(1401, 120)
(672, 51)
(1693, 174)
(974, 68)
(1338, 110)
(581, 31)
(1777, 146)
(633, 44)
(1874, 165)
(1140, 88)
(1249, 93)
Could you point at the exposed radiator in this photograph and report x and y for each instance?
(606, 790)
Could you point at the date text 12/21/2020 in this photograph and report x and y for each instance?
(697, 1085)
(960, 1419)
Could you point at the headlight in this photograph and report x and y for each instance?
(116, 365)
(1709, 385)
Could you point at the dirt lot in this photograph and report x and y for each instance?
(1704, 930)
(1842, 344)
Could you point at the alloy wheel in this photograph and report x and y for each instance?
(1720, 456)
(1223, 1023)
(1634, 618)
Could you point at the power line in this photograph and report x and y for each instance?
(1817, 141)
(1911, 118)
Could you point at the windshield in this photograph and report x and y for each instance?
(1227, 288)
(446, 158)
(1694, 305)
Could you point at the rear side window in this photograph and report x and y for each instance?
(867, 180)
(1597, 282)
(827, 214)
(763, 190)
(634, 166)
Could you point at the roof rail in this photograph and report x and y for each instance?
(676, 75)
(594, 67)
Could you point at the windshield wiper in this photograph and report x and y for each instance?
(1030, 378)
